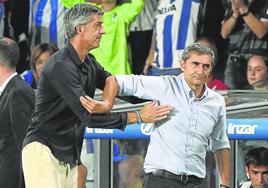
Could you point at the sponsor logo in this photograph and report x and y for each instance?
(147, 128)
(99, 131)
(241, 129)
(165, 10)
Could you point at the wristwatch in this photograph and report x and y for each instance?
(224, 186)
(245, 14)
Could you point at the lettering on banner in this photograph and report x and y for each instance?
(241, 129)
(99, 131)
(147, 128)
(89, 130)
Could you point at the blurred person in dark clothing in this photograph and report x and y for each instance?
(16, 27)
(211, 82)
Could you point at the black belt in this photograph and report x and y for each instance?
(184, 178)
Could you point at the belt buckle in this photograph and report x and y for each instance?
(184, 178)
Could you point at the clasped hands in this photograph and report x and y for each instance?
(239, 7)
(149, 113)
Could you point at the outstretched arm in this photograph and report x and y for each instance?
(149, 113)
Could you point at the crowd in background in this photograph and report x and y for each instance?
(151, 37)
(148, 37)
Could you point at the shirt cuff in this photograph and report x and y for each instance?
(217, 145)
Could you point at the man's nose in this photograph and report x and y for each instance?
(102, 30)
(200, 69)
(260, 178)
(252, 72)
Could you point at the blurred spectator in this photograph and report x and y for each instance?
(113, 51)
(246, 25)
(209, 25)
(17, 103)
(257, 79)
(175, 28)
(215, 84)
(212, 83)
(39, 57)
(140, 36)
(16, 27)
(131, 170)
(256, 168)
(257, 71)
(46, 21)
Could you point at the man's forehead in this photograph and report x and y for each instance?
(203, 59)
(206, 60)
(261, 168)
(96, 18)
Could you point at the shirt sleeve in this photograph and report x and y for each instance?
(144, 87)
(130, 10)
(219, 139)
(66, 83)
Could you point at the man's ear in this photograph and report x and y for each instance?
(182, 65)
(78, 29)
(247, 172)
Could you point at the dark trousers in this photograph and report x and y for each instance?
(140, 44)
(151, 181)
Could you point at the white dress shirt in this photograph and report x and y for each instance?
(179, 143)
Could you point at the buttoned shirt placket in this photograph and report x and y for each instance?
(190, 132)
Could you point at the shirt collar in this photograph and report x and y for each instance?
(189, 90)
(3, 86)
(74, 54)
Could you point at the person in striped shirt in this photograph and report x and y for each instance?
(175, 28)
(46, 21)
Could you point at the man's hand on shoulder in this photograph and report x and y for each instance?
(95, 106)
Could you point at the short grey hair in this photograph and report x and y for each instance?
(79, 14)
(9, 52)
(199, 49)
